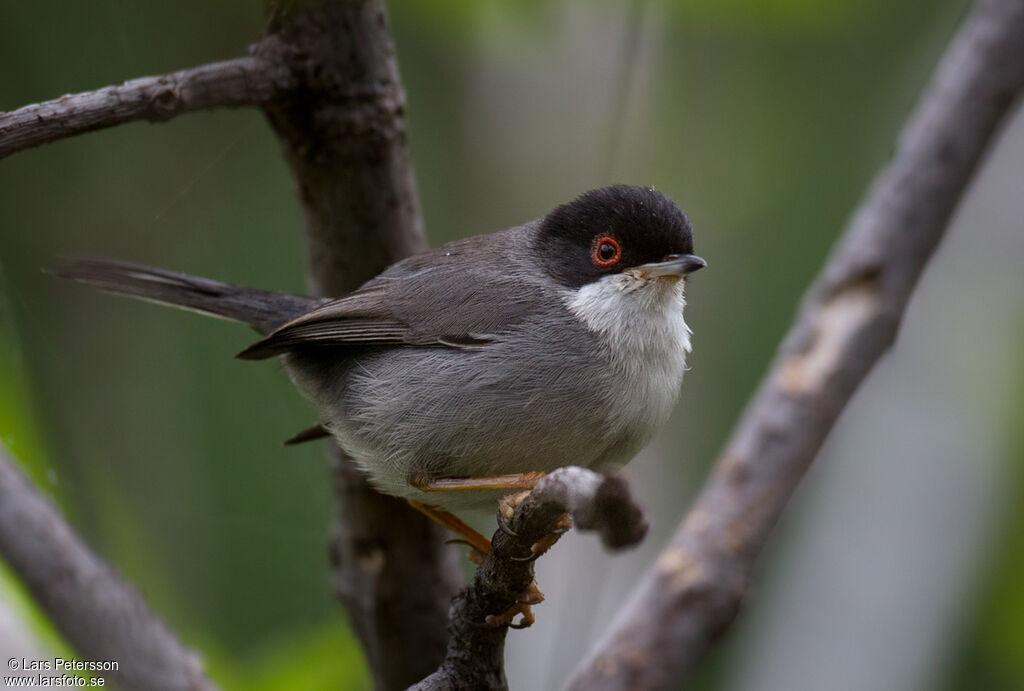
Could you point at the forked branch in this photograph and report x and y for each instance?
(848, 321)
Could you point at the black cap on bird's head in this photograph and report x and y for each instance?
(614, 229)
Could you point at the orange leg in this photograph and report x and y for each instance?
(455, 484)
(455, 524)
(514, 481)
(479, 544)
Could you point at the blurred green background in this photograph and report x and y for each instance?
(899, 567)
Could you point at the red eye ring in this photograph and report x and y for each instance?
(602, 255)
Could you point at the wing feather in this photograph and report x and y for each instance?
(462, 295)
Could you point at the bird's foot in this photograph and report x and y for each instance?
(507, 506)
(479, 545)
(541, 546)
(507, 509)
(532, 595)
(522, 608)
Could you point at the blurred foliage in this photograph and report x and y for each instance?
(764, 118)
(990, 651)
(325, 657)
(18, 432)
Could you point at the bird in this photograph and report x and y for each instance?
(467, 372)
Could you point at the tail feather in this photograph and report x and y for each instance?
(263, 310)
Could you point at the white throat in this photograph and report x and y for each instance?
(640, 320)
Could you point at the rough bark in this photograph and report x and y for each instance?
(100, 614)
(239, 82)
(848, 320)
(476, 651)
(343, 133)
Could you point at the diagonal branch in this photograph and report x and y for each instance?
(848, 320)
(99, 614)
(476, 652)
(343, 133)
(239, 82)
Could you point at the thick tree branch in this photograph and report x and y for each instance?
(476, 651)
(103, 617)
(343, 133)
(848, 320)
(240, 82)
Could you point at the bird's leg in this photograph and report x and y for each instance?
(479, 547)
(478, 544)
(456, 484)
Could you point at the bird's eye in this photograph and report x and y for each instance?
(606, 251)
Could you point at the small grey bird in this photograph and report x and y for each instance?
(467, 371)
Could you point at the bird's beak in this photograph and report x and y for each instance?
(674, 265)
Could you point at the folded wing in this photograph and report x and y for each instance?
(462, 295)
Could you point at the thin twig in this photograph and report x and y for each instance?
(343, 133)
(241, 82)
(848, 320)
(99, 614)
(476, 651)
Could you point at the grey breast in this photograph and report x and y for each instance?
(534, 400)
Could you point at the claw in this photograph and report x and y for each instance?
(539, 548)
(474, 555)
(506, 618)
(526, 621)
(531, 596)
(458, 541)
(563, 525)
(507, 510)
(534, 556)
(503, 524)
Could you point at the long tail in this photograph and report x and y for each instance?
(263, 310)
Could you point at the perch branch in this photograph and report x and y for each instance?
(476, 651)
(240, 82)
(343, 133)
(98, 613)
(848, 321)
